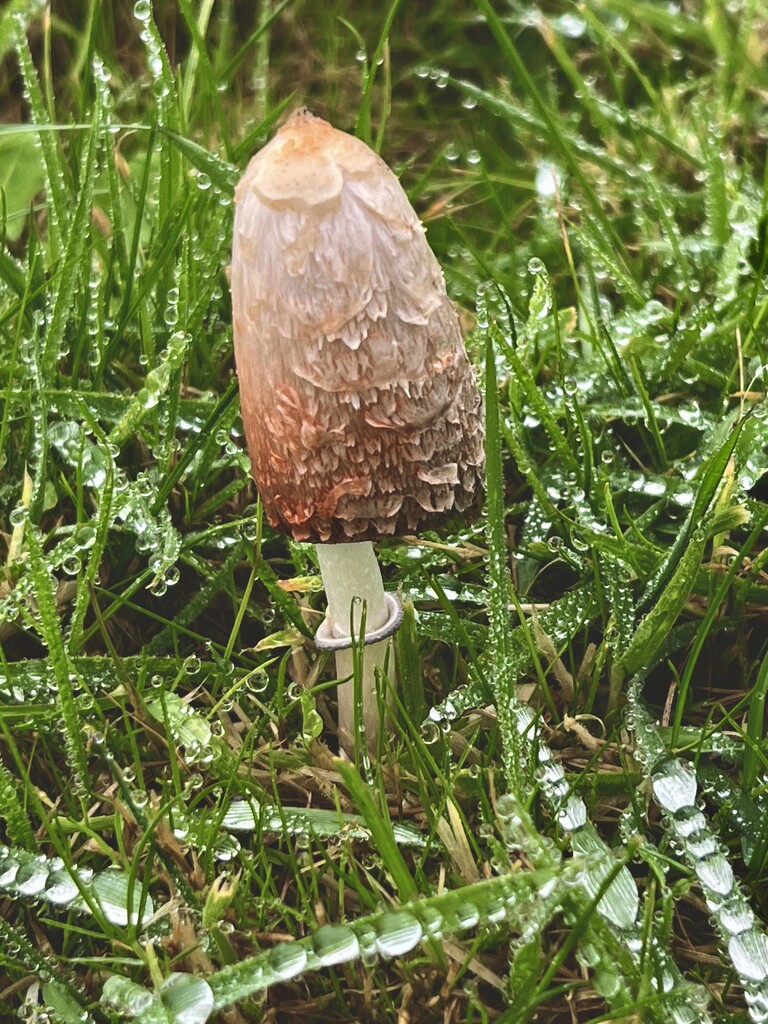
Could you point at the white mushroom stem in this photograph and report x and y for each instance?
(350, 572)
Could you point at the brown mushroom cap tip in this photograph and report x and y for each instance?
(360, 407)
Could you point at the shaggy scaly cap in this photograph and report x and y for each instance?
(360, 407)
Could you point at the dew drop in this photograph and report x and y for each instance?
(8, 869)
(187, 998)
(674, 787)
(430, 732)
(431, 921)
(19, 515)
(749, 953)
(61, 887)
(287, 960)
(335, 944)
(125, 996)
(397, 932)
(31, 878)
(716, 874)
(467, 915)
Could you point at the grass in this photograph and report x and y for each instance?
(569, 821)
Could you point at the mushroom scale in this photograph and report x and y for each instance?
(360, 407)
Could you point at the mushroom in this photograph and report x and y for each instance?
(361, 410)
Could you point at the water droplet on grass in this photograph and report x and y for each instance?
(674, 787)
(701, 846)
(573, 816)
(397, 932)
(335, 944)
(187, 998)
(495, 910)
(688, 822)
(467, 915)
(430, 732)
(111, 890)
(431, 920)
(125, 996)
(18, 515)
(31, 878)
(570, 26)
(61, 887)
(716, 874)
(8, 869)
(736, 916)
(535, 266)
(240, 817)
(287, 960)
(749, 953)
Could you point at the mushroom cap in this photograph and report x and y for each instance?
(360, 407)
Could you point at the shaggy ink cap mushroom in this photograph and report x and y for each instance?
(360, 407)
(359, 404)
